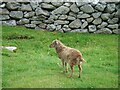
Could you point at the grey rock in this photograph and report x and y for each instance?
(12, 5)
(61, 10)
(32, 26)
(117, 14)
(34, 5)
(74, 8)
(96, 15)
(104, 31)
(66, 28)
(84, 25)
(97, 21)
(25, 7)
(80, 30)
(23, 21)
(71, 18)
(116, 31)
(114, 26)
(4, 17)
(83, 15)
(110, 8)
(4, 11)
(75, 24)
(87, 8)
(38, 18)
(58, 27)
(92, 28)
(63, 17)
(89, 20)
(57, 4)
(40, 11)
(43, 25)
(2, 5)
(72, 14)
(100, 7)
(9, 23)
(67, 4)
(105, 16)
(16, 14)
(54, 17)
(29, 14)
(61, 22)
(113, 20)
(103, 25)
(80, 3)
(51, 27)
(47, 6)
(36, 22)
(49, 21)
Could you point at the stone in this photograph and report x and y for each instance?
(97, 21)
(117, 14)
(40, 11)
(61, 22)
(12, 5)
(29, 14)
(23, 21)
(4, 12)
(96, 15)
(80, 30)
(66, 28)
(58, 27)
(4, 17)
(57, 4)
(114, 26)
(32, 26)
(89, 20)
(75, 24)
(104, 31)
(67, 4)
(71, 18)
(61, 10)
(38, 18)
(9, 23)
(110, 8)
(54, 17)
(100, 7)
(87, 8)
(47, 6)
(83, 15)
(34, 5)
(63, 17)
(103, 25)
(51, 27)
(36, 22)
(25, 7)
(74, 8)
(16, 14)
(92, 28)
(72, 14)
(80, 3)
(116, 31)
(84, 25)
(2, 5)
(49, 21)
(105, 16)
(43, 25)
(113, 20)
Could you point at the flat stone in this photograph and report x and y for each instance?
(113, 20)
(32, 26)
(71, 18)
(103, 25)
(4, 17)
(84, 25)
(25, 7)
(9, 23)
(16, 14)
(61, 22)
(104, 31)
(36, 22)
(114, 26)
(116, 31)
(51, 27)
(23, 21)
(96, 15)
(89, 20)
(105, 16)
(4, 12)
(80, 30)
(100, 7)
(63, 17)
(110, 8)
(57, 4)
(47, 6)
(75, 24)
(43, 25)
(83, 15)
(61, 10)
(29, 14)
(34, 5)
(12, 5)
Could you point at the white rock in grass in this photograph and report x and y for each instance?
(10, 48)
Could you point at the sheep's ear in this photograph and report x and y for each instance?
(56, 42)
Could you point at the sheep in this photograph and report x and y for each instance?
(68, 55)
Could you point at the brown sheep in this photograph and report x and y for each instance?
(68, 55)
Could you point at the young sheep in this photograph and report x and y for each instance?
(68, 55)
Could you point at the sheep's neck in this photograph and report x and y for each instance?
(60, 48)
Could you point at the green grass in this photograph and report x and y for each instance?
(35, 65)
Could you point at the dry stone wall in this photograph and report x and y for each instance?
(102, 17)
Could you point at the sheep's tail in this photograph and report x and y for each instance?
(82, 59)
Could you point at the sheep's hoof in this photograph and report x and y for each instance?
(79, 76)
(69, 76)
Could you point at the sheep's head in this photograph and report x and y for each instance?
(54, 44)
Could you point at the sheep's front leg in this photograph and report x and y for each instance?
(80, 70)
(72, 70)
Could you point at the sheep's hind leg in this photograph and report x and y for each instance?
(66, 70)
(72, 70)
(80, 70)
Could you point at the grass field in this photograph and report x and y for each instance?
(35, 65)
